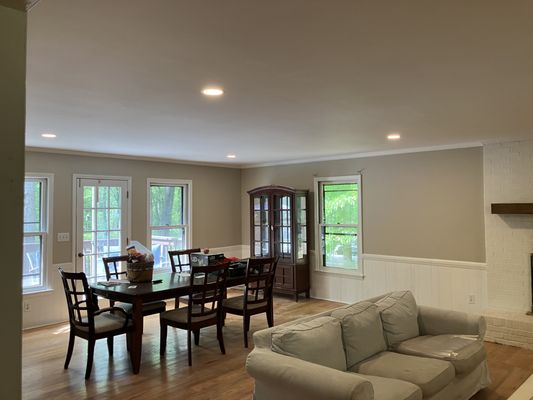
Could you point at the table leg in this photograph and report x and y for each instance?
(136, 342)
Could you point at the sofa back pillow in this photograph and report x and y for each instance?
(362, 331)
(399, 314)
(318, 341)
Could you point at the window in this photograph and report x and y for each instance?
(169, 218)
(34, 249)
(339, 224)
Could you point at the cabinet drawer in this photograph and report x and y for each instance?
(284, 277)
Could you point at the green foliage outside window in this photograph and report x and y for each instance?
(166, 205)
(340, 202)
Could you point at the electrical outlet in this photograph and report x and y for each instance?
(27, 306)
(63, 237)
(472, 299)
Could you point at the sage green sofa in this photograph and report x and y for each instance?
(384, 348)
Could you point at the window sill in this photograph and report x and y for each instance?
(37, 291)
(343, 272)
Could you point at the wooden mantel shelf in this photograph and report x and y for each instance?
(512, 208)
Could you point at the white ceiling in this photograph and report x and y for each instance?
(303, 78)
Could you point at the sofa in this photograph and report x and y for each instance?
(384, 348)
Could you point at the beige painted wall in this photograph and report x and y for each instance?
(12, 125)
(216, 212)
(427, 204)
(216, 195)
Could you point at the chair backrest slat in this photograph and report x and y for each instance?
(260, 274)
(80, 301)
(207, 290)
(180, 260)
(113, 267)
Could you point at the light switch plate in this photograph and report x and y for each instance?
(63, 237)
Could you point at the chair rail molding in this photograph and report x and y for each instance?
(426, 261)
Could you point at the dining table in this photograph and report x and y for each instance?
(165, 285)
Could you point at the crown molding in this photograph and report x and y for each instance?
(366, 154)
(127, 157)
(30, 4)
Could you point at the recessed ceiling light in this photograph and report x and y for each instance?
(213, 91)
(49, 135)
(393, 136)
(231, 156)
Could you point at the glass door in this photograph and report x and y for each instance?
(283, 226)
(301, 226)
(101, 223)
(261, 222)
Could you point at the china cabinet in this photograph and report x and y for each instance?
(279, 218)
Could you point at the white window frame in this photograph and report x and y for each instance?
(46, 229)
(187, 208)
(318, 181)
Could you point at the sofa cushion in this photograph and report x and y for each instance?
(318, 341)
(362, 331)
(399, 314)
(428, 374)
(393, 389)
(465, 352)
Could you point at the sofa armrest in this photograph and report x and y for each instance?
(435, 321)
(286, 377)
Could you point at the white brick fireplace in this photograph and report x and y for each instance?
(508, 178)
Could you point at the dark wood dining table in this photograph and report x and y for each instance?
(172, 285)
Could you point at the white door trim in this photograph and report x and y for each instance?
(75, 178)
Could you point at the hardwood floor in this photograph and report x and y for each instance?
(212, 376)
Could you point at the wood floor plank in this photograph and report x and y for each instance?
(213, 376)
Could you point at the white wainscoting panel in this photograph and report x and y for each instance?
(455, 285)
(47, 307)
(50, 307)
(230, 251)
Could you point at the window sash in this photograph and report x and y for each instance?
(162, 262)
(42, 233)
(322, 226)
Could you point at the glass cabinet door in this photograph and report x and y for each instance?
(282, 226)
(261, 231)
(301, 226)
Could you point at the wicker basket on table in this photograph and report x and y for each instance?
(140, 271)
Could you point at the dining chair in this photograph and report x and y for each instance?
(180, 261)
(257, 298)
(114, 269)
(88, 321)
(205, 294)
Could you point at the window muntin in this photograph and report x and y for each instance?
(339, 224)
(35, 225)
(169, 228)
